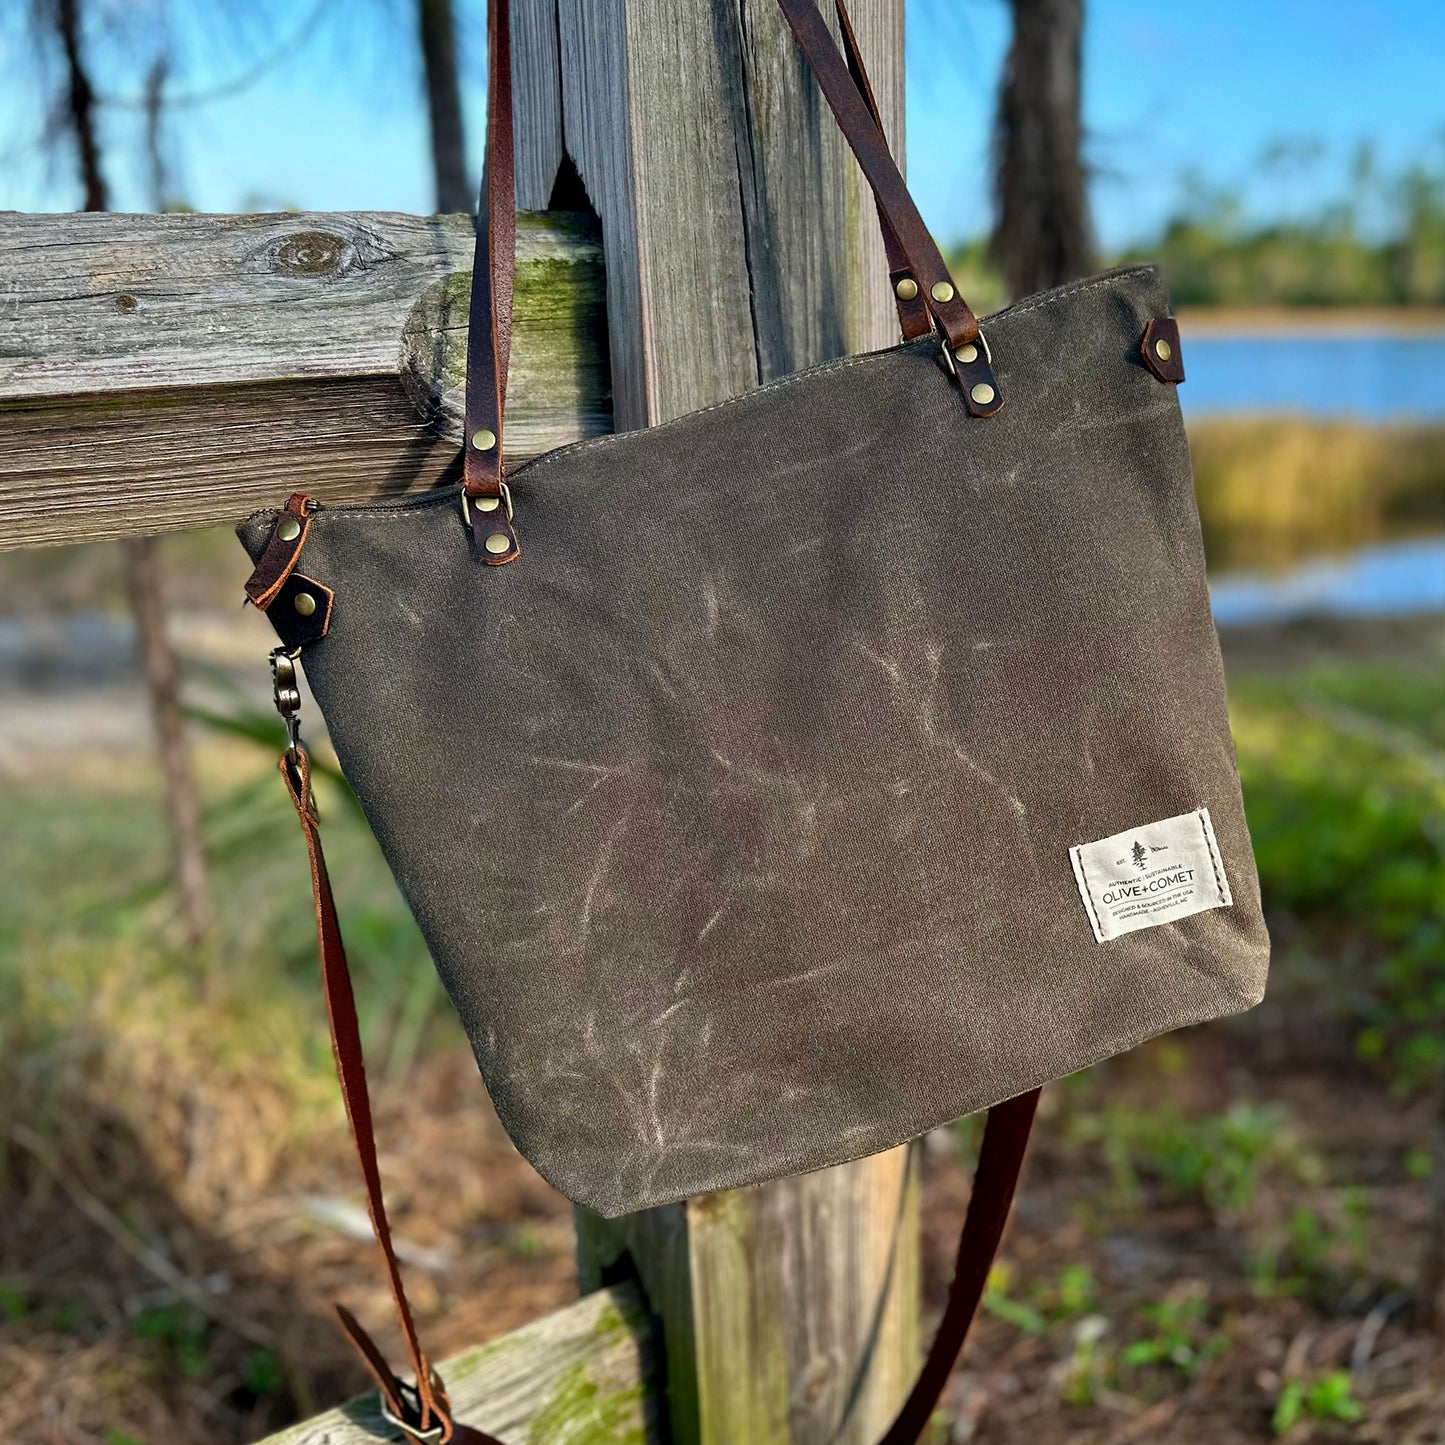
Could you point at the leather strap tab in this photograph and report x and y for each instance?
(301, 611)
(282, 552)
(976, 379)
(493, 531)
(1160, 349)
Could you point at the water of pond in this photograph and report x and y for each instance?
(1369, 377)
(1375, 378)
(1388, 579)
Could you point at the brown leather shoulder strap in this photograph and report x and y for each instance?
(964, 347)
(913, 318)
(422, 1410)
(914, 260)
(948, 308)
(489, 336)
(1000, 1161)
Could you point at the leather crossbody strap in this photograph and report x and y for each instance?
(423, 1410)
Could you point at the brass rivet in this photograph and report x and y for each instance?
(305, 604)
(484, 441)
(983, 393)
(1163, 350)
(486, 504)
(967, 353)
(907, 288)
(941, 291)
(498, 542)
(289, 530)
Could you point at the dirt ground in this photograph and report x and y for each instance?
(269, 1264)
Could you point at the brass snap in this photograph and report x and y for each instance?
(484, 441)
(1163, 350)
(983, 393)
(967, 353)
(498, 542)
(304, 603)
(289, 530)
(486, 504)
(907, 288)
(941, 291)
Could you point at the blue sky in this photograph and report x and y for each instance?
(1169, 89)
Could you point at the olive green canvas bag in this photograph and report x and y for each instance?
(783, 782)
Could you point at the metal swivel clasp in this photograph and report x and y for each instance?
(287, 695)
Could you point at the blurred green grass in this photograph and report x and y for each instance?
(91, 951)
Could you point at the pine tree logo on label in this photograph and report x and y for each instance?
(1139, 854)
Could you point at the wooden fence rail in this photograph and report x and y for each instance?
(587, 1375)
(160, 372)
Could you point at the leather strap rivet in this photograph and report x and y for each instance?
(289, 530)
(983, 393)
(486, 504)
(1163, 350)
(967, 353)
(497, 542)
(941, 291)
(304, 603)
(484, 441)
(907, 288)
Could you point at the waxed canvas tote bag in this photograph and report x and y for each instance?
(782, 782)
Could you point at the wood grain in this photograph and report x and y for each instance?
(160, 372)
(790, 1312)
(586, 1373)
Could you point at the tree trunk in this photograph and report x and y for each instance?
(444, 106)
(143, 574)
(80, 105)
(144, 580)
(1042, 235)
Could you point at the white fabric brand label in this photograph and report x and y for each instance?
(1151, 875)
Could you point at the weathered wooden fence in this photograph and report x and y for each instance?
(163, 372)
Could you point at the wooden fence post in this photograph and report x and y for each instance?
(740, 244)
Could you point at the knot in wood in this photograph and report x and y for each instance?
(311, 253)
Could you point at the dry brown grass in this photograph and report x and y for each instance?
(162, 1118)
(1273, 490)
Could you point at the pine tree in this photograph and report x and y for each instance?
(1141, 856)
